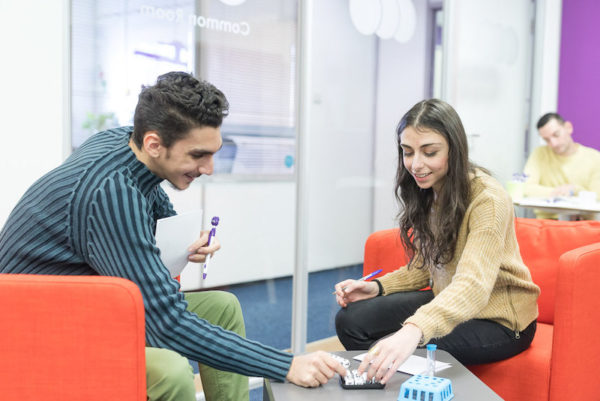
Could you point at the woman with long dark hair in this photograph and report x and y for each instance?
(457, 226)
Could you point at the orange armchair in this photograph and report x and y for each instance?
(71, 338)
(564, 260)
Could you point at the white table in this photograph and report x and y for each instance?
(560, 206)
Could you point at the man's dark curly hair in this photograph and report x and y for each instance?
(177, 103)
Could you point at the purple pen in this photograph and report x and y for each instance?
(211, 234)
(365, 278)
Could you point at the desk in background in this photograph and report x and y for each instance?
(564, 207)
(465, 385)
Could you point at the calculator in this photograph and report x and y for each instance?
(355, 381)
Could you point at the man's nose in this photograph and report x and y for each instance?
(207, 166)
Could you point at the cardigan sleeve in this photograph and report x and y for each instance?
(120, 242)
(477, 268)
(404, 279)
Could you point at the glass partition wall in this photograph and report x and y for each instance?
(248, 50)
(296, 181)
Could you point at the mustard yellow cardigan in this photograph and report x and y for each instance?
(486, 279)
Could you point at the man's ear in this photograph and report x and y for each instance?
(568, 127)
(152, 143)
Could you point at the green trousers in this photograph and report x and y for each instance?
(169, 375)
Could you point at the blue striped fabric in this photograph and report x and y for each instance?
(96, 214)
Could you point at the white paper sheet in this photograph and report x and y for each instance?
(414, 365)
(173, 237)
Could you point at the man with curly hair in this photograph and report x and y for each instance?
(96, 215)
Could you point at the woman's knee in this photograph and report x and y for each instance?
(343, 320)
(348, 330)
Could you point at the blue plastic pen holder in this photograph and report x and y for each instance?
(426, 388)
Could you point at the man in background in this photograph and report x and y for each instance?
(562, 167)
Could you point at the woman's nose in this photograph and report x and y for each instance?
(417, 161)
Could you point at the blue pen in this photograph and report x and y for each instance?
(211, 234)
(368, 276)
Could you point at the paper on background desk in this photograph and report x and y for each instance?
(414, 365)
(173, 237)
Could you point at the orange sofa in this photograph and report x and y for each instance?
(66, 338)
(564, 260)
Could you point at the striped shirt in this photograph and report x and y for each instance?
(96, 215)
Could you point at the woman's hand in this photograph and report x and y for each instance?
(314, 369)
(387, 354)
(198, 250)
(349, 291)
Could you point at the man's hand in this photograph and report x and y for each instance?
(349, 291)
(314, 369)
(564, 190)
(198, 250)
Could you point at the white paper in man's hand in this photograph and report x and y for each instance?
(173, 237)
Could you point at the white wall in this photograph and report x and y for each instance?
(341, 138)
(258, 229)
(403, 74)
(33, 78)
(544, 97)
(487, 66)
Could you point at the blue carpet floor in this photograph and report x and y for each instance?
(267, 306)
(256, 394)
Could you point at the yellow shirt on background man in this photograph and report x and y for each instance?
(546, 171)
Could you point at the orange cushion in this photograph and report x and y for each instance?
(541, 243)
(71, 338)
(383, 250)
(525, 376)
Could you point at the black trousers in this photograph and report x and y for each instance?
(476, 341)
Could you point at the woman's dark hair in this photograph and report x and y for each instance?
(429, 227)
(177, 103)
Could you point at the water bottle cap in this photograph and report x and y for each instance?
(431, 347)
